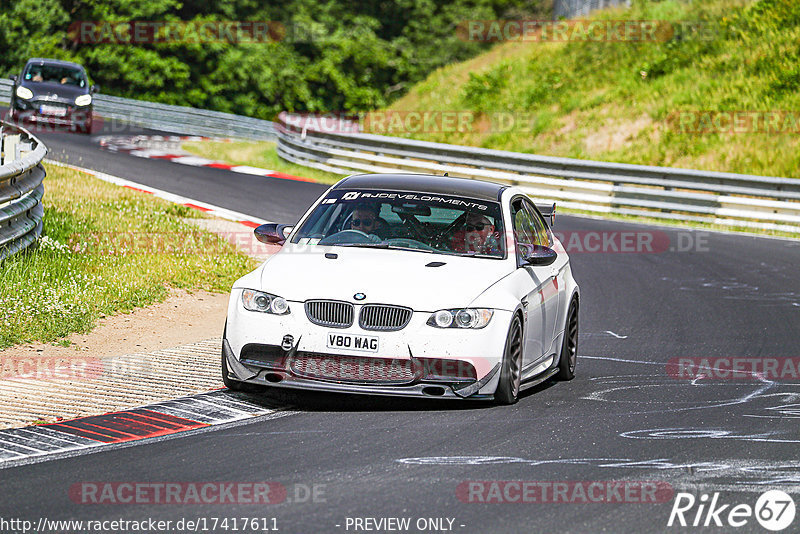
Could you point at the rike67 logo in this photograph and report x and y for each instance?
(774, 510)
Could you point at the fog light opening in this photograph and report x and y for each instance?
(433, 391)
(273, 377)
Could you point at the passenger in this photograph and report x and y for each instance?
(477, 235)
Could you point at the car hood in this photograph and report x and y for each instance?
(57, 91)
(385, 276)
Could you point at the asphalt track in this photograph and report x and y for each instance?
(623, 418)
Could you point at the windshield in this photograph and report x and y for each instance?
(406, 220)
(55, 74)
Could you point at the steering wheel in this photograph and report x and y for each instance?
(345, 236)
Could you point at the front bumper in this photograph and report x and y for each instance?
(285, 379)
(481, 351)
(73, 116)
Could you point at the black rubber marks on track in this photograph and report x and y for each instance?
(160, 419)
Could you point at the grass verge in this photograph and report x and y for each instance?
(261, 154)
(105, 249)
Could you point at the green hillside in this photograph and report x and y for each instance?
(663, 101)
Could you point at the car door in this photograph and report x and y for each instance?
(531, 283)
(552, 292)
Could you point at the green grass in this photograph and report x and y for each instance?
(105, 250)
(621, 101)
(261, 154)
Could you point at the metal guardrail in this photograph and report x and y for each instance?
(728, 199)
(21, 190)
(174, 119)
(577, 8)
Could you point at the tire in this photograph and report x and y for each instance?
(569, 347)
(510, 372)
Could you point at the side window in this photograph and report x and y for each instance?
(542, 235)
(524, 230)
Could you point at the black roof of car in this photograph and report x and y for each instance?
(428, 183)
(48, 61)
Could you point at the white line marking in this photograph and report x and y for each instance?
(616, 335)
(246, 169)
(194, 161)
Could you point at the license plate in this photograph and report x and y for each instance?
(352, 342)
(57, 111)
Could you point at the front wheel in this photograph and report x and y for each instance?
(511, 371)
(569, 348)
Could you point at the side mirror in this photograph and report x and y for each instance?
(273, 234)
(94, 89)
(537, 255)
(13, 78)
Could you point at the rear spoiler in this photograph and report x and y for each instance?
(548, 211)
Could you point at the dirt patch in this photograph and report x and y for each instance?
(183, 318)
(614, 135)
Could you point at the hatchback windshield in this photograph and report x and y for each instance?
(55, 74)
(406, 220)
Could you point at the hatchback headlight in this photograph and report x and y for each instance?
(259, 301)
(24, 93)
(83, 100)
(461, 318)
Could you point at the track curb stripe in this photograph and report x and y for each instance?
(129, 145)
(136, 424)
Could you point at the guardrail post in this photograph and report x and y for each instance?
(10, 148)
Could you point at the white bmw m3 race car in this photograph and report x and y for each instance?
(405, 284)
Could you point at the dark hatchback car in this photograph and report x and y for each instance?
(53, 92)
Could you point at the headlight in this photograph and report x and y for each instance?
(24, 93)
(461, 318)
(83, 100)
(259, 301)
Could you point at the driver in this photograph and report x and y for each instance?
(365, 219)
(475, 236)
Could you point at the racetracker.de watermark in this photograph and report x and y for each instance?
(631, 242)
(77, 368)
(581, 30)
(564, 491)
(123, 122)
(734, 368)
(183, 493)
(138, 32)
(175, 31)
(168, 243)
(399, 122)
(770, 122)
